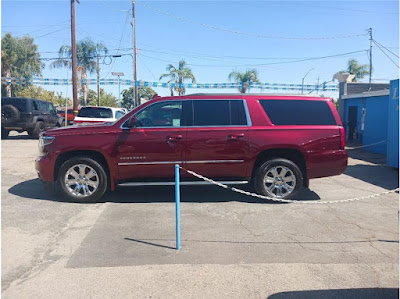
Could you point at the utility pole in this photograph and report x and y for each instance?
(135, 90)
(98, 80)
(370, 58)
(74, 68)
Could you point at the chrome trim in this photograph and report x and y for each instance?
(180, 162)
(131, 184)
(213, 161)
(150, 163)
(246, 110)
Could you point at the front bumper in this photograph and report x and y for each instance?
(44, 166)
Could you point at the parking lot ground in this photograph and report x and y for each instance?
(233, 246)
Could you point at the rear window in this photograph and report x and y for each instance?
(297, 112)
(95, 112)
(20, 104)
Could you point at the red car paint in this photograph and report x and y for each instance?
(321, 146)
(70, 114)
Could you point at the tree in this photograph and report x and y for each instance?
(354, 68)
(38, 92)
(244, 78)
(19, 58)
(144, 94)
(86, 54)
(178, 75)
(106, 99)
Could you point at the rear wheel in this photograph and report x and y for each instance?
(278, 178)
(82, 179)
(4, 133)
(9, 114)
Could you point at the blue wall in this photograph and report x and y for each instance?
(376, 124)
(375, 121)
(393, 127)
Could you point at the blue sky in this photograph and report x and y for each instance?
(216, 37)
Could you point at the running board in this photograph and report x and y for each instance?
(131, 184)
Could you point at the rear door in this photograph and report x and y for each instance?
(217, 143)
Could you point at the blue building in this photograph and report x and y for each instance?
(372, 118)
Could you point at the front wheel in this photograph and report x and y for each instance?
(278, 178)
(39, 127)
(82, 179)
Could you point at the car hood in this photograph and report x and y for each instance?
(80, 130)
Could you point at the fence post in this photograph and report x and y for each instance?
(177, 208)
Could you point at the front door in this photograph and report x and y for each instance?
(155, 145)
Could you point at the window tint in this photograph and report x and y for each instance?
(51, 108)
(238, 115)
(211, 113)
(219, 113)
(34, 105)
(163, 114)
(20, 104)
(95, 112)
(296, 112)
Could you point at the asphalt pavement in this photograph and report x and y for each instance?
(233, 246)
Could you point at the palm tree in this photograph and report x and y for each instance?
(86, 53)
(244, 78)
(354, 68)
(178, 76)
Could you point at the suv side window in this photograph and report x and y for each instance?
(298, 112)
(51, 108)
(163, 114)
(35, 105)
(43, 107)
(219, 113)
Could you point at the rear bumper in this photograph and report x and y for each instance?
(327, 163)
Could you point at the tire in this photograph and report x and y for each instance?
(9, 115)
(4, 133)
(39, 127)
(78, 183)
(278, 178)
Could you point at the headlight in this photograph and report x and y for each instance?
(43, 141)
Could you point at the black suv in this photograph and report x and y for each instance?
(31, 115)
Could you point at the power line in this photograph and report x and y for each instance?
(119, 45)
(386, 54)
(386, 48)
(245, 33)
(266, 64)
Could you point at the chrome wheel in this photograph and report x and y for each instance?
(279, 181)
(81, 180)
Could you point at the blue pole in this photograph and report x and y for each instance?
(177, 208)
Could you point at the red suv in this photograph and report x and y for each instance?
(277, 143)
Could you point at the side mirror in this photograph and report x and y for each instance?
(132, 122)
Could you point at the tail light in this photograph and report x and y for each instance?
(342, 138)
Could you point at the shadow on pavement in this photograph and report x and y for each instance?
(34, 189)
(367, 156)
(377, 175)
(20, 137)
(365, 293)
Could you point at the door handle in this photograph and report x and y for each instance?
(235, 136)
(173, 138)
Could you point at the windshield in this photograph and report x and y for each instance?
(95, 112)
